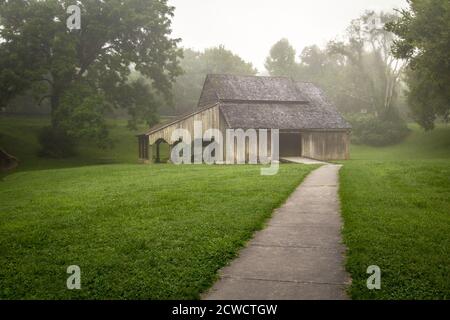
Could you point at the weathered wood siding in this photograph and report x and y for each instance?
(326, 145)
(245, 151)
(315, 144)
(209, 118)
(143, 147)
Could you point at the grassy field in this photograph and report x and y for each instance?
(419, 145)
(136, 231)
(162, 231)
(396, 209)
(18, 135)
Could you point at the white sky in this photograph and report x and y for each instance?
(250, 27)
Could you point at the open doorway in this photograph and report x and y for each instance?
(290, 144)
(160, 151)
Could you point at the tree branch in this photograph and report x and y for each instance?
(43, 98)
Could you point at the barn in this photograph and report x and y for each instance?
(309, 125)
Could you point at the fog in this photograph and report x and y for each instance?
(250, 27)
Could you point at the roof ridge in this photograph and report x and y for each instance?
(249, 76)
(263, 101)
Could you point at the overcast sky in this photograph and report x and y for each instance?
(250, 27)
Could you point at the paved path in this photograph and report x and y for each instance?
(302, 160)
(299, 255)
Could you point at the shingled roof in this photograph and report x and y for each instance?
(270, 102)
(224, 87)
(253, 102)
(292, 116)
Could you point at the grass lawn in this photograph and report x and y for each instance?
(136, 231)
(18, 135)
(396, 210)
(162, 231)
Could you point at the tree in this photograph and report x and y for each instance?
(424, 40)
(373, 76)
(84, 72)
(360, 74)
(196, 65)
(368, 51)
(220, 60)
(313, 62)
(336, 76)
(281, 60)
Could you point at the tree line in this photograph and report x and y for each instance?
(123, 60)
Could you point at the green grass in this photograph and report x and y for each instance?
(136, 231)
(18, 135)
(162, 231)
(396, 210)
(419, 144)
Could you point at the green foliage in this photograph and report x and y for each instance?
(281, 59)
(427, 100)
(142, 101)
(56, 143)
(137, 232)
(19, 136)
(424, 39)
(344, 84)
(196, 66)
(82, 72)
(419, 144)
(26, 104)
(359, 73)
(373, 131)
(373, 72)
(81, 114)
(220, 60)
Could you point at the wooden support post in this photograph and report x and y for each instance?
(158, 159)
(150, 153)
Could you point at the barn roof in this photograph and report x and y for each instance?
(271, 102)
(267, 102)
(224, 87)
(281, 116)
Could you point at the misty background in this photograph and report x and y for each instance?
(250, 27)
(347, 48)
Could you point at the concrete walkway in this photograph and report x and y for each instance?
(299, 255)
(301, 160)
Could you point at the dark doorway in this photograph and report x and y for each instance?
(290, 144)
(161, 151)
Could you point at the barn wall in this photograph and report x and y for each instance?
(326, 145)
(143, 148)
(320, 145)
(249, 152)
(209, 118)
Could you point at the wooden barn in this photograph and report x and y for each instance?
(309, 125)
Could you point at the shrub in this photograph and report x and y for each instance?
(55, 143)
(375, 131)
